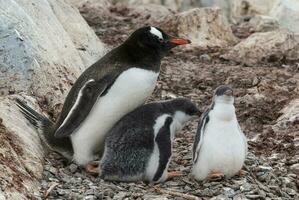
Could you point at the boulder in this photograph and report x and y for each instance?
(45, 45)
(205, 27)
(258, 23)
(287, 14)
(150, 13)
(251, 7)
(265, 47)
(93, 10)
(290, 115)
(21, 154)
(225, 5)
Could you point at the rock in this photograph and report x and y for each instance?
(93, 10)
(150, 13)
(178, 5)
(265, 47)
(73, 168)
(220, 197)
(120, 195)
(251, 7)
(225, 5)
(290, 115)
(205, 58)
(295, 168)
(258, 23)
(21, 153)
(205, 27)
(287, 14)
(45, 45)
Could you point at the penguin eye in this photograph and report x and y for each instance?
(160, 39)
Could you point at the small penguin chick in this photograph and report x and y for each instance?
(220, 147)
(139, 146)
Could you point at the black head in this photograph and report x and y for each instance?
(224, 93)
(184, 105)
(224, 90)
(153, 39)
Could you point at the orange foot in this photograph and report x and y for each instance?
(241, 173)
(174, 174)
(215, 176)
(93, 168)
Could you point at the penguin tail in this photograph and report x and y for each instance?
(39, 121)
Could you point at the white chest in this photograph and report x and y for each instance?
(223, 148)
(129, 91)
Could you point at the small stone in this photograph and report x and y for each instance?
(73, 168)
(264, 168)
(205, 58)
(90, 197)
(253, 196)
(246, 187)
(228, 192)
(295, 168)
(220, 197)
(120, 195)
(90, 192)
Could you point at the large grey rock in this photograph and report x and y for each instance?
(44, 46)
(266, 47)
(21, 153)
(205, 27)
(287, 14)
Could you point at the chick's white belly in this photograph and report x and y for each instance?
(129, 91)
(223, 150)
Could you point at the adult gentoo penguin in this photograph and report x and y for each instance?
(113, 86)
(138, 147)
(220, 147)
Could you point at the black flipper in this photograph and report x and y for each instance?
(199, 134)
(163, 140)
(86, 98)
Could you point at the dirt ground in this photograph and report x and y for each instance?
(261, 92)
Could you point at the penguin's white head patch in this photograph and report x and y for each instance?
(156, 32)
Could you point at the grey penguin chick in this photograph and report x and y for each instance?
(139, 146)
(220, 146)
(106, 91)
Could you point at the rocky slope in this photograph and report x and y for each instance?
(266, 87)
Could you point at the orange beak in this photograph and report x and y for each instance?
(179, 41)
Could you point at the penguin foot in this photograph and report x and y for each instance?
(171, 175)
(215, 176)
(93, 168)
(241, 173)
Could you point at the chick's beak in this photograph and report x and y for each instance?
(228, 93)
(179, 41)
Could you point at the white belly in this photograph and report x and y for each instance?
(223, 149)
(129, 91)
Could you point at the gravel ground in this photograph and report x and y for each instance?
(261, 92)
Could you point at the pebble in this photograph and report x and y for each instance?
(120, 195)
(228, 192)
(205, 58)
(295, 168)
(73, 168)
